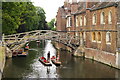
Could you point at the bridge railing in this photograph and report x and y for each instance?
(63, 37)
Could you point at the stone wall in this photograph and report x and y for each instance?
(101, 56)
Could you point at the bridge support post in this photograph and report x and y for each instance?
(16, 38)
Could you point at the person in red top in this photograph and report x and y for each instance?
(53, 57)
(45, 61)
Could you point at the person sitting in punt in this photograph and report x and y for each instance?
(42, 57)
(46, 61)
(27, 47)
(53, 57)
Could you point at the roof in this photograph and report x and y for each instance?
(94, 6)
(102, 5)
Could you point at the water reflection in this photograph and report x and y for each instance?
(49, 47)
(41, 71)
(30, 67)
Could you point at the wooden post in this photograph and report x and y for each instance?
(16, 38)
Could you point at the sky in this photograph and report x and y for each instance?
(50, 7)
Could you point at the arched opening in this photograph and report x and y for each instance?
(108, 37)
(110, 17)
(99, 36)
(94, 19)
(77, 21)
(80, 20)
(84, 20)
(93, 36)
(102, 18)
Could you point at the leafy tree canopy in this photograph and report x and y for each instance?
(51, 24)
(21, 17)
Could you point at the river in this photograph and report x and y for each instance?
(72, 67)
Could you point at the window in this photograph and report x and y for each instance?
(94, 19)
(76, 34)
(69, 22)
(80, 20)
(84, 36)
(99, 36)
(93, 36)
(102, 18)
(110, 17)
(81, 34)
(77, 21)
(84, 20)
(108, 37)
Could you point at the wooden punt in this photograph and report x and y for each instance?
(24, 54)
(55, 62)
(26, 48)
(47, 63)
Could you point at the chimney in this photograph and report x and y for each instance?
(90, 3)
(66, 1)
(74, 1)
(87, 4)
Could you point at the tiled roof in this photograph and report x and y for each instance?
(102, 5)
(94, 6)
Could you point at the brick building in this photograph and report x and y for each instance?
(98, 26)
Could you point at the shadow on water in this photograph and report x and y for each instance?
(30, 67)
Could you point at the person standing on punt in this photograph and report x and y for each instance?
(48, 56)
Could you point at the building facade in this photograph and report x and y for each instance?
(98, 26)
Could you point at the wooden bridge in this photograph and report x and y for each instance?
(15, 40)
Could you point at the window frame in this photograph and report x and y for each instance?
(93, 37)
(94, 19)
(99, 37)
(109, 36)
(77, 22)
(102, 17)
(85, 21)
(110, 17)
(81, 21)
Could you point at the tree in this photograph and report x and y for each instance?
(11, 17)
(21, 17)
(41, 17)
(51, 24)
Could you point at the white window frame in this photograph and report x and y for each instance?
(80, 20)
(110, 17)
(102, 18)
(69, 21)
(108, 38)
(77, 21)
(94, 19)
(85, 21)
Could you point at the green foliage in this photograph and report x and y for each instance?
(54, 29)
(51, 24)
(21, 17)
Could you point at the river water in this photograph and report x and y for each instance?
(72, 67)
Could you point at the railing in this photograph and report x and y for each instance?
(62, 37)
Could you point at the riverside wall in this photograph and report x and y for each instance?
(110, 59)
(2, 60)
